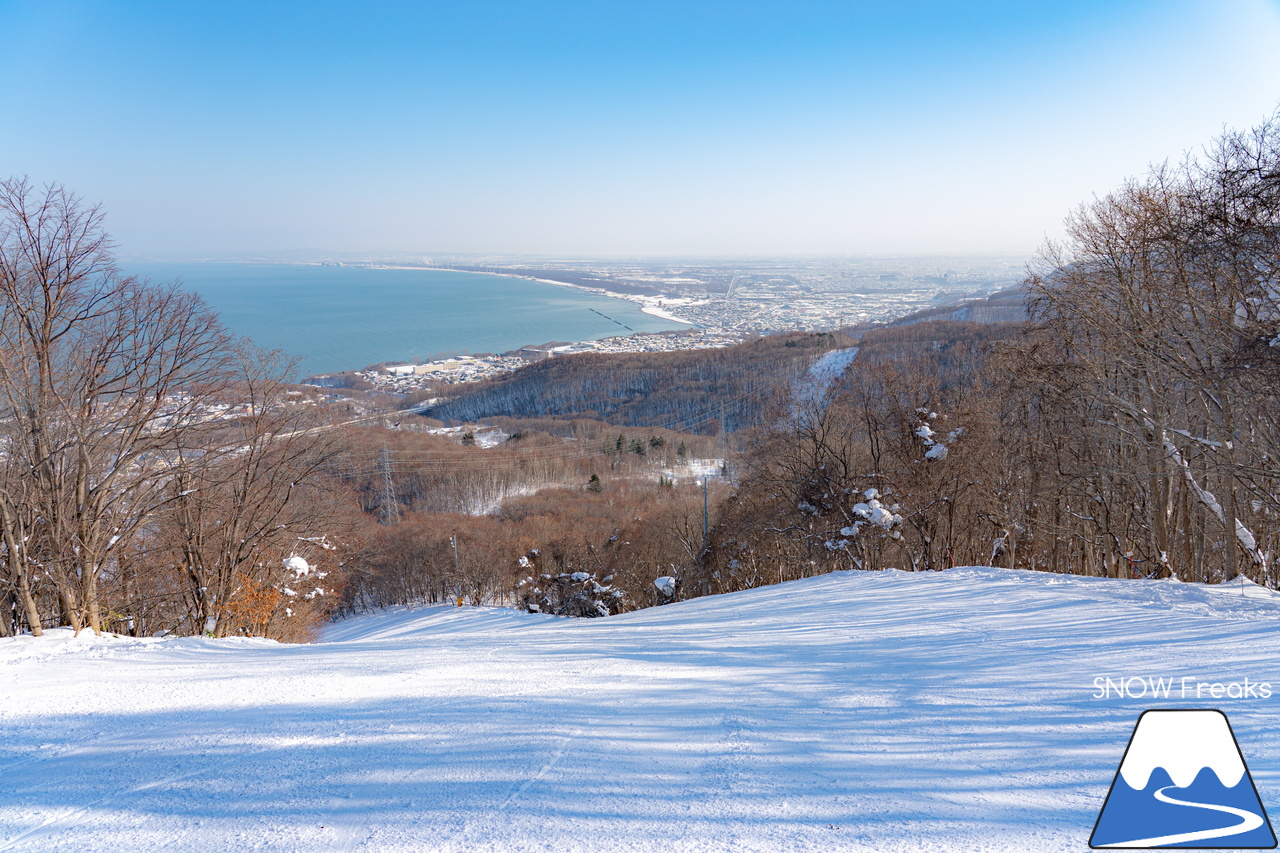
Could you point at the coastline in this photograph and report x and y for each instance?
(666, 315)
(648, 304)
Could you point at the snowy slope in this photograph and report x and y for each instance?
(856, 711)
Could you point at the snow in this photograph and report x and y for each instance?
(830, 366)
(485, 436)
(810, 393)
(1210, 502)
(492, 437)
(876, 513)
(859, 711)
(1245, 536)
(695, 470)
(650, 306)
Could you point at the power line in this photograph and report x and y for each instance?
(390, 506)
(571, 450)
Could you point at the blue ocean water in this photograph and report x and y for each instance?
(344, 318)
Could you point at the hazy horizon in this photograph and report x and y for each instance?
(411, 256)
(620, 130)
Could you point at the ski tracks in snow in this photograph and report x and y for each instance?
(868, 711)
(730, 763)
(546, 768)
(70, 817)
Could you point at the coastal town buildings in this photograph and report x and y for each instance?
(407, 378)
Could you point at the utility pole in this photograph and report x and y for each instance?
(453, 540)
(390, 509)
(704, 507)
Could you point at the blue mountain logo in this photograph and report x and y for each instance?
(1183, 784)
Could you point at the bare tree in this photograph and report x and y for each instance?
(1160, 311)
(97, 372)
(249, 499)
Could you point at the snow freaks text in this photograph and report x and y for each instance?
(1184, 687)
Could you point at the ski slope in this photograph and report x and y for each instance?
(879, 711)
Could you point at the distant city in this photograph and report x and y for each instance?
(724, 301)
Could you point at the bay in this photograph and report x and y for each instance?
(345, 318)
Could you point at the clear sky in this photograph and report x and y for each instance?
(616, 127)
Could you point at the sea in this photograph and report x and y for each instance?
(337, 318)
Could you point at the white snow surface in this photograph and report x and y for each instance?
(810, 393)
(860, 711)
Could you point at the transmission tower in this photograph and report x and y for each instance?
(390, 509)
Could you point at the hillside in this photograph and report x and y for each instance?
(695, 391)
(858, 711)
(1004, 306)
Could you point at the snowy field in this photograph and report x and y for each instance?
(856, 711)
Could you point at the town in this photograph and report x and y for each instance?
(724, 303)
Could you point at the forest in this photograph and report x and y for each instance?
(1127, 429)
(702, 391)
(158, 475)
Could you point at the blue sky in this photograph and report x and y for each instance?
(607, 128)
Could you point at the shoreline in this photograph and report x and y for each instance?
(648, 304)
